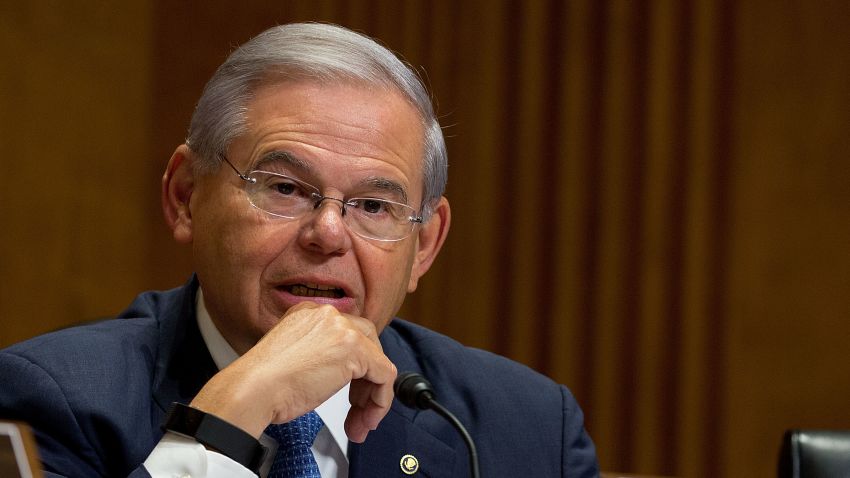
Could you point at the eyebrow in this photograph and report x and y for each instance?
(388, 185)
(283, 157)
(377, 183)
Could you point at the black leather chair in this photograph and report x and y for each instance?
(815, 454)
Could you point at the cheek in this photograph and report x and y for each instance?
(248, 250)
(386, 277)
(234, 245)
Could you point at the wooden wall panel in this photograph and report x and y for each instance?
(789, 264)
(650, 199)
(74, 134)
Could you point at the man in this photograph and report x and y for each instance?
(310, 190)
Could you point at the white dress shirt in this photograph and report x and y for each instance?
(177, 456)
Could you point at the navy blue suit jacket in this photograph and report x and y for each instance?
(96, 396)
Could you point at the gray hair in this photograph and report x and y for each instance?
(314, 51)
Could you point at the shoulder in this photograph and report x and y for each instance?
(464, 371)
(87, 390)
(497, 397)
(90, 365)
(87, 347)
(81, 352)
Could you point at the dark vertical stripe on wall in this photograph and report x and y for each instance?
(346, 15)
(551, 161)
(426, 18)
(415, 55)
(681, 168)
(719, 246)
(447, 95)
(633, 241)
(590, 257)
(503, 327)
(373, 19)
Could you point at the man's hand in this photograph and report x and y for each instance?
(307, 357)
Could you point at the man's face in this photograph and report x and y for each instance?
(345, 139)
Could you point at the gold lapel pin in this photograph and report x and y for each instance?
(409, 464)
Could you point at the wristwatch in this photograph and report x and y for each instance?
(217, 435)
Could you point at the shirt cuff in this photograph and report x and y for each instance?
(177, 456)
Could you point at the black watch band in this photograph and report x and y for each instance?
(216, 434)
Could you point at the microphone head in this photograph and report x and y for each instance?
(414, 390)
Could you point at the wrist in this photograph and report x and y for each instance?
(234, 401)
(217, 435)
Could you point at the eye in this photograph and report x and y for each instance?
(373, 206)
(370, 206)
(380, 209)
(282, 186)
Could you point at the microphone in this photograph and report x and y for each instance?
(415, 391)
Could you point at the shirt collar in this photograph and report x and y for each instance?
(333, 411)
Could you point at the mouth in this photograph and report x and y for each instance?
(315, 290)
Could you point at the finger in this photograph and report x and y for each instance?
(364, 326)
(364, 393)
(370, 403)
(354, 428)
(377, 369)
(360, 421)
(301, 306)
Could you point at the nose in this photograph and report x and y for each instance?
(325, 230)
(321, 199)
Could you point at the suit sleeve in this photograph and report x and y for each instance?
(30, 394)
(579, 453)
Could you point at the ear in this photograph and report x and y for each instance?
(432, 234)
(178, 182)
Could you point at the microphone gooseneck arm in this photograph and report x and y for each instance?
(415, 391)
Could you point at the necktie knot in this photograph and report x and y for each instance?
(294, 459)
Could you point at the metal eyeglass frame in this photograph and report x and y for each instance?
(319, 198)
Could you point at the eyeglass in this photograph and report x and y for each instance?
(286, 197)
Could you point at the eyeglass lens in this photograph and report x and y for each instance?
(287, 197)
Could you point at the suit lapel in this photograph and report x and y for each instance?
(437, 448)
(183, 364)
(397, 436)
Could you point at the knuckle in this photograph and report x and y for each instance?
(327, 308)
(355, 368)
(349, 337)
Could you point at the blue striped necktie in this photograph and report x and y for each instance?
(294, 459)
